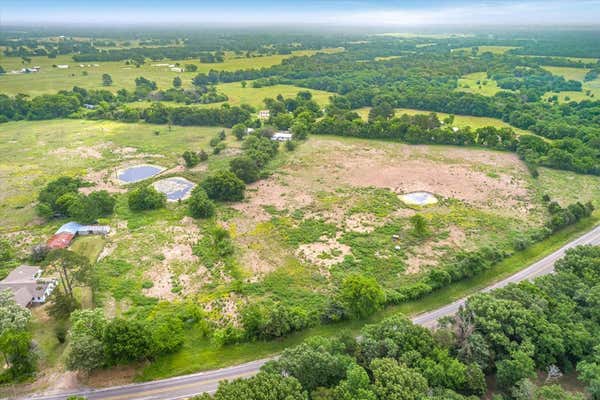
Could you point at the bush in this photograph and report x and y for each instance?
(361, 295)
(146, 198)
(191, 159)
(239, 131)
(126, 341)
(202, 155)
(218, 148)
(245, 168)
(225, 186)
(200, 205)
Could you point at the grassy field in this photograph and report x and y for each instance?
(487, 49)
(51, 80)
(253, 96)
(478, 83)
(590, 90)
(460, 121)
(35, 152)
(328, 209)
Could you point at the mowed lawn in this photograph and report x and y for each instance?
(32, 153)
(478, 83)
(51, 79)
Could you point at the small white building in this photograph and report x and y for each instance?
(283, 136)
(176, 69)
(264, 114)
(27, 286)
(62, 66)
(249, 130)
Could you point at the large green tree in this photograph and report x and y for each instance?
(362, 295)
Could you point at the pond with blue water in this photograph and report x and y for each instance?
(139, 173)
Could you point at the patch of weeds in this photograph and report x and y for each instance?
(215, 246)
(124, 288)
(380, 202)
(147, 284)
(374, 254)
(272, 210)
(227, 213)
(307, 231)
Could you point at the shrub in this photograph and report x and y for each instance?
(146, 198)
(191, 159)
(239, 131)
(126, 341)
(203, 155)
(245, 168)
(361, 295)
(200, 205)
(225, 186)
(218, 148)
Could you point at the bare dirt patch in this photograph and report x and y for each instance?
(102, 180)
(453, 172)
(325, 253)
(430, 252)
(160, 276)
(118, 375)
(281, 192)
(80, 152)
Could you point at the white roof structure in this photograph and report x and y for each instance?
(281, 136)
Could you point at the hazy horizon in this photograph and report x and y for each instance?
(378, 14)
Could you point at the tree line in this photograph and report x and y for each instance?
(505, 336)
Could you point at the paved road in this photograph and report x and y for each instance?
(206, 382)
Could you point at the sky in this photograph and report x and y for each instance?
(298, 12)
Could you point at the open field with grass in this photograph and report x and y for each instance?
(478, 83)
(51, 80)
(460, 121)
(487, 49)
(238, 95)
(328, 209)
(36, 152)
(590, 90)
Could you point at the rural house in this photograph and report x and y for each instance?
(27, 286)
(264, 114)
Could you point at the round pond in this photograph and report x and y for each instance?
(419, 198)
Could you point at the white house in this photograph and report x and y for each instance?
(176, 69)
(281, 136)
(62, 66)
(27, 286)
(264, 114)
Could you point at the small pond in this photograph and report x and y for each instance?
(419, 198)
(175, 188)
(139, 173)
